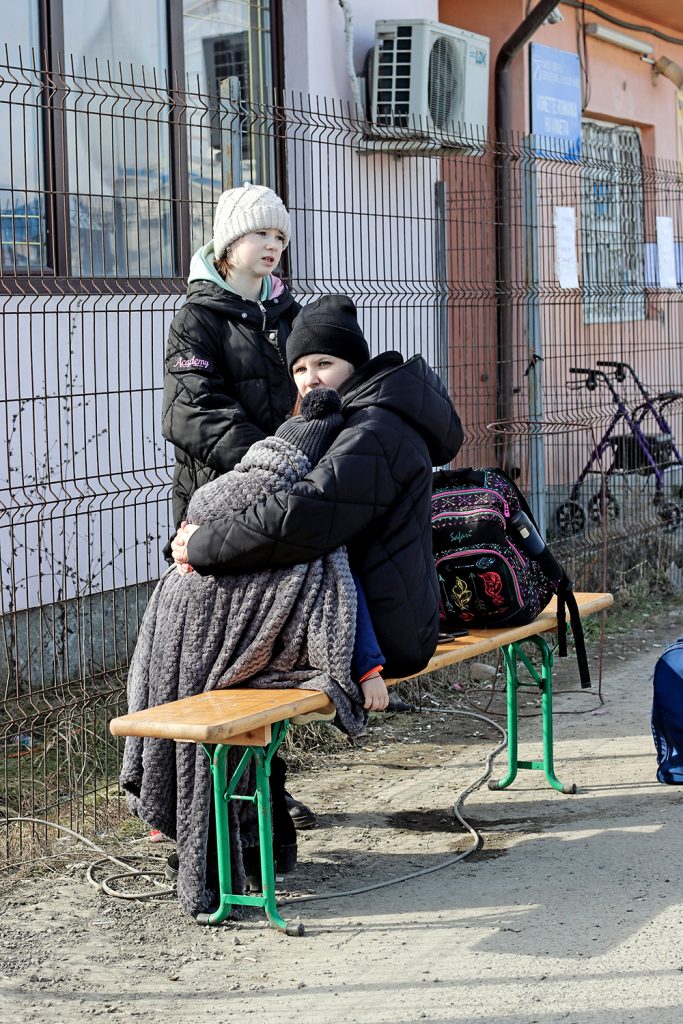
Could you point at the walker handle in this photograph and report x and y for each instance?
(591, 375)
(620, 368)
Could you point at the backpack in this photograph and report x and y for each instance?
(667, 714)
(494, 568)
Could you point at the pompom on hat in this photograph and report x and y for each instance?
(245, 209)
(319, 423)
(328, 326)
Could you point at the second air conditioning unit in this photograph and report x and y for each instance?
(426, 78)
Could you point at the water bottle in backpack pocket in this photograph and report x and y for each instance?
(493, 567)
(667, 714)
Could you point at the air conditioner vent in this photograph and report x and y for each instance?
(393, 80)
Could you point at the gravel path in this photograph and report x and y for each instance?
(571, 912)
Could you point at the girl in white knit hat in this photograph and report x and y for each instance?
(226, 382)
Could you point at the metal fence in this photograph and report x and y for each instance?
(523, 274)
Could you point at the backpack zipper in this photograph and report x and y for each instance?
(472, 512)
(478, 511)
(523, 560)
(475, 490)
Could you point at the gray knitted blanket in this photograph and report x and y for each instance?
(267, 629)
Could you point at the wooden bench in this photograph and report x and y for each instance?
(258, 721)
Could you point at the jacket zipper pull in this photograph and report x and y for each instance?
(263, 313)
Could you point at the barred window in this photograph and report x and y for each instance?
(117, 139)
(613, 244)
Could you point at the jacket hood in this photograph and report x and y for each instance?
(207, 288)
(414, 392)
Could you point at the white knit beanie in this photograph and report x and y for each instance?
(245, 209)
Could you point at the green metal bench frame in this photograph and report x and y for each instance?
(224, 790)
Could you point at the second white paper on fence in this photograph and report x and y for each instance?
(666, 258)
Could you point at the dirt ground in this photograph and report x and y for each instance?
(570, 911)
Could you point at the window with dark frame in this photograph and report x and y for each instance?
(113, 169)
(613, 237)
(22, 171)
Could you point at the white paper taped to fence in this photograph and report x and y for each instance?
(566, 266)
(666, 259)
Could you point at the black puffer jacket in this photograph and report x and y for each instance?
(370, 491)
(226, 382)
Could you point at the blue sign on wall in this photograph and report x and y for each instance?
(556, 100)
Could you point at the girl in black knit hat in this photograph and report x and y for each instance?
(371, 491)
(293, 627)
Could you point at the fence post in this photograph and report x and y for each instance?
(532, 329)
(441, 348)
(231, 133)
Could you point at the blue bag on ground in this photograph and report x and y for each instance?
(667, 714)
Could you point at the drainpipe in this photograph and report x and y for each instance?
(503, 125)
(350, 69)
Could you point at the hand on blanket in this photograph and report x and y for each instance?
(375, 693)
(179, 547)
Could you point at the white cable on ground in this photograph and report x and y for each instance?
(107, 856)
(459, 800)
(128, 870)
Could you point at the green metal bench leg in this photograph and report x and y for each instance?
(217, 756)
(265, 831)
(513, 654)
(224, 791)
(511, 692)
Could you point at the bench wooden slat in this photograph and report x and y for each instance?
(243, 716)
(218, 715)
(482, 641)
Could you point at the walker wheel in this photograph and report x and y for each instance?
(493, 783)
(295, 928)
(569, 788)
(670, 516)
(603, 507)
(570, 518)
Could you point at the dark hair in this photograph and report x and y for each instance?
(224, 265)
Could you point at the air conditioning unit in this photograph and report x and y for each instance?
(426, 78)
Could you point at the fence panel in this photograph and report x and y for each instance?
(92, 251)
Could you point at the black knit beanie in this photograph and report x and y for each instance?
(329, 326)
(314, 431)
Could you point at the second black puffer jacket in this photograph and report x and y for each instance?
(370, 491)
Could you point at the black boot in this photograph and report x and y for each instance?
(302, 816)
(396, 704)
(172, 865)
(251, 860)
(284, 832)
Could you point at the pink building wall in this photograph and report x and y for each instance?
(622, 90)
(622, 87)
